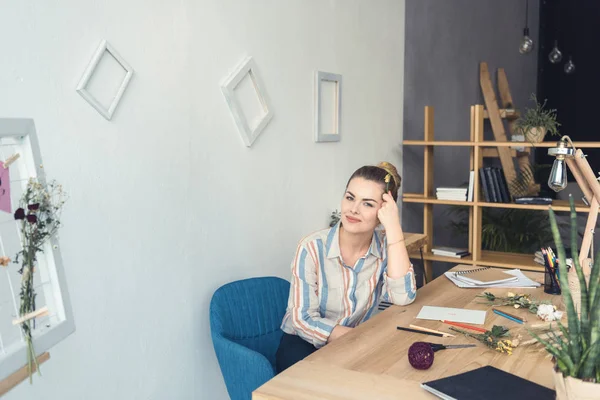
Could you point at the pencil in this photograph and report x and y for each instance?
(500, 313)
(475, 328)
(421, 328)
(401, 328)
(511, 315)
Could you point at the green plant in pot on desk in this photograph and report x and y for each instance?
(537, 122)
(577, 356)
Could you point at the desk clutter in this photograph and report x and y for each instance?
(470, 324)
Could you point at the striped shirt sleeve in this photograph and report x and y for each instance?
(401, 291)
(304, 301)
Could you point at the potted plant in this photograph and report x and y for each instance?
(537, 122)
(576, 355)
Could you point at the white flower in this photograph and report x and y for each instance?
(548, 312)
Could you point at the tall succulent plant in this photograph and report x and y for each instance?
(577, 353)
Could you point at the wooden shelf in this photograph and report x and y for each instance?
(579, 145)
(492, 143)
(557, 205)
(509, 260)
(438, 143)
(429, 256)
(413, 198)
(488, 258)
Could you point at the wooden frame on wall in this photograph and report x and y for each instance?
(320, 135)
(247, 68)
(104, 48)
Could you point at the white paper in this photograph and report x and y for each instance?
(452, 314)
(521, 282)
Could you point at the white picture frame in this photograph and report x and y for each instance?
(228, 86)
(18, 135)
(104, 47)
(335, 135)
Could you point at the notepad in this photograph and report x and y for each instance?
(484, 276)
(488, 383)
(476, 317)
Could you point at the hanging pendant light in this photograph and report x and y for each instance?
(555, 55)
(526, 43)
(569, 66)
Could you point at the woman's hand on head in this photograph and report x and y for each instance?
(388, 214)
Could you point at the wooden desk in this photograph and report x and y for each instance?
(414, 241)
(371, 361)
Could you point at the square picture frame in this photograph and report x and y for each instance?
(228, 86)
(334, 136)
(104, 48)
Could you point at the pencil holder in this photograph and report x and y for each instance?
(551, 285)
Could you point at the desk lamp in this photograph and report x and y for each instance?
(566, 153)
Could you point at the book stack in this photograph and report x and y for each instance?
(451, 193)
(450, 251)
(493, 185)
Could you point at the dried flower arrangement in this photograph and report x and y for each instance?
(493, 338)
(39, 211)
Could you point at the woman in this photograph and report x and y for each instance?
(339, 274)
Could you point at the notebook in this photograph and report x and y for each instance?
(487, 383)
(452, 314)
(521, 282)
(484, 276)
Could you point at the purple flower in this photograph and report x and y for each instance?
(20, 214)
(33, 207)
(32, 218)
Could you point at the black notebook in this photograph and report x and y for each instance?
(487, 383)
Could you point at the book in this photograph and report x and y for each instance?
(471, 186)
(488, 383)
(484, 186)
(449, 251)
(506, 198)
(492, 185)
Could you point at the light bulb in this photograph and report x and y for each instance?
(526, 43)
(569, 66)
(555, 55)
(558, 175)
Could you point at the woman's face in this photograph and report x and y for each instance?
(362, 200)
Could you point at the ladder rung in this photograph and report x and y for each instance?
(508, 113)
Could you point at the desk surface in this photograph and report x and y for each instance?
(371, 361)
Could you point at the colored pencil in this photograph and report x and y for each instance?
(512, 315)
(401, 328)
(500, 313)
(475, 328)
(422, 328)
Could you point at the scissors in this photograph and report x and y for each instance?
(436, 346)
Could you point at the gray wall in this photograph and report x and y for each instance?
(445, 42)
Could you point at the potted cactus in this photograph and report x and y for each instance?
(576, 354)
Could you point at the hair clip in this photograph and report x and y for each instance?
(387, 179)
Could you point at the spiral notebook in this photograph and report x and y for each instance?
(484, 276)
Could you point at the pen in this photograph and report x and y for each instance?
(512, 315)
(475, 328)
(401, 328)
(507, 316)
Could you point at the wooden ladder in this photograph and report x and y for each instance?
(497, 116)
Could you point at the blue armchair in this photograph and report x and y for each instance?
(245, 317)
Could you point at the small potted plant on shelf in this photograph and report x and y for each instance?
(576, 355)
(537, 122)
